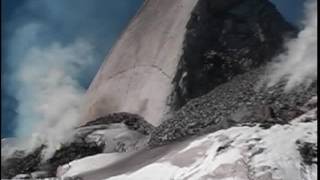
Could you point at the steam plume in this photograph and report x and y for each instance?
(53, 49)
(298, 64)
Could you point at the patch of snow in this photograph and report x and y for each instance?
(263, 151)
(241, 153)
(90, 163)
(161, 171)
(113, 134)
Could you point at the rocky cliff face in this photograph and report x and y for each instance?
(184, 69)
(179, 50)
(235, 103)
(136, 76)
(223, 39)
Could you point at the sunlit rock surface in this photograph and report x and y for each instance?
(137, 74)
(174, 51)
(200, 60)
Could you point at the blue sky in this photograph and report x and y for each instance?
(98, 22)
(292, 10)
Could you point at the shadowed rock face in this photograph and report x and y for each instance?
(21, 163)
(238, 102)
(173, 51)
(308, 152)
(223, 39)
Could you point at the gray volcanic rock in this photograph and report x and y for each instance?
(120, 132)
(223, 39)
(186, 68)
(132, 121)
(21, 163)
(308, 152)
(87, 141)
(238, 102)
(174, 51)
(32, 163)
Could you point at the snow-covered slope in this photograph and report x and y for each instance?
(136, 76)
(282, 152)
(202, 60)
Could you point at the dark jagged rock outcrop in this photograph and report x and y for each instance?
(132, 121)
(79, 147)
(21, 163)
(223, 39)
(237, 102)
(308, 152)
(32, 164)
(225, 45)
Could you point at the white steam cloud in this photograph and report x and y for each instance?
(53, 49)
(49, 92)
(298, 64)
